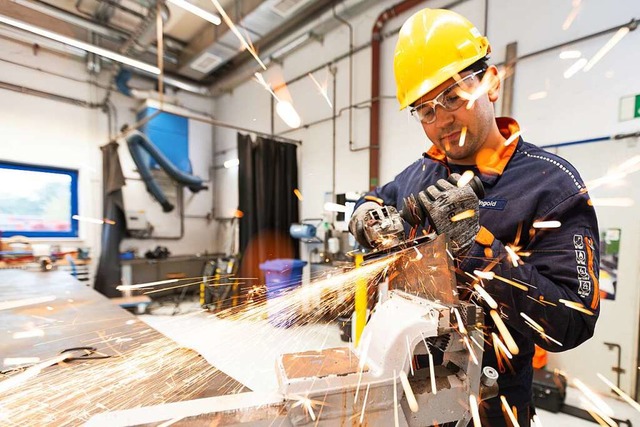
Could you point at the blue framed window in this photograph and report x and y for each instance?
(38, 201)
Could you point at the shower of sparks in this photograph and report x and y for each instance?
(67, 394)
(473, 406)
(514, 137)
(463, 215)
(298, 194)
(619, 35)
(593, 398)
(488, 81)
(620, 393)
(465, 178)
(146, 285)
(513, 256)
(32, 333)
(8, 305)
(408, 392)
(461, 327)
(576, 306)
(506, 335)
(617, 174)
(432, 373)
(395, 399)
(538, 328)
(364, 404)
(262, 82)
(546, 224)
(511, 282)
(31, 372)
(235, 31)
(305, 403)
(15, 361)
(487, 275)
(409, 353)
(93, 220)
(594, 404)
(322, 89)
(501, 352)
(575, 9)
(463, 136)
(509, 411)
(472, 353)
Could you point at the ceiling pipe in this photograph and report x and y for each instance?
(376, 38)
(374, 121)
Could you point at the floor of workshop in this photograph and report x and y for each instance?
(247, 351)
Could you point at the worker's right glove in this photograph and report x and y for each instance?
(453, 211)
(357, 223)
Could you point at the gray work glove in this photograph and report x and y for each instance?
(443, 202)
(357, 223)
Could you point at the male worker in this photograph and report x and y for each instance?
(443, 78)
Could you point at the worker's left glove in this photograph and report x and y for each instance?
(453, 211)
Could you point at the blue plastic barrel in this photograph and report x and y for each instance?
(282, 275)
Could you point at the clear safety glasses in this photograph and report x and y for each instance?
(449, 99)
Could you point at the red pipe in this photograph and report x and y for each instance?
(374, 124)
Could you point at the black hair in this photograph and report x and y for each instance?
(480, 65)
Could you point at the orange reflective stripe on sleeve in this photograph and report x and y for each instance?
(596, 288)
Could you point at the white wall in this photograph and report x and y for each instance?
(53, 133)
(582, 107)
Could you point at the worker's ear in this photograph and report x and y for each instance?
(492, 76)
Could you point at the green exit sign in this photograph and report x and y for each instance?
(629, 107)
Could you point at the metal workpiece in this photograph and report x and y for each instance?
(419, 361)
(345, 383)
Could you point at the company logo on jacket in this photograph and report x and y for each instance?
(495, 204)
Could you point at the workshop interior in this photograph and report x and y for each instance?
(177, 182)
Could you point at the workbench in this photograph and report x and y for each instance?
(59, 313)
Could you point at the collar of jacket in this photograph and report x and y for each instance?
(491, 163)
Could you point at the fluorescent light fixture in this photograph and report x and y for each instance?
(577, 66)
(291, 45)
(81, 45)
(570, 54)
(538, 95)
(232, 163)
(207, 16)
(623, 31)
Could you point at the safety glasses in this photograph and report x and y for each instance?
(449, 99)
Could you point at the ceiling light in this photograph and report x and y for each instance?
(623, 31)
(570, 54)
(577, 66)
(84, 46)
(291, 45)
(207, 16)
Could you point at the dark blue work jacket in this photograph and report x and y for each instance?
(523, 184)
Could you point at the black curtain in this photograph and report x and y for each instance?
(267, 178)
(108, 275)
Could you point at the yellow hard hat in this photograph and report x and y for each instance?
(433, 46)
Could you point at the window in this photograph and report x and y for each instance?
(38, 201)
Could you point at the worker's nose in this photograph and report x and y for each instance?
(444, 118)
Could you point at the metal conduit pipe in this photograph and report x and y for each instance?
(374, 121)
(374, 124)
